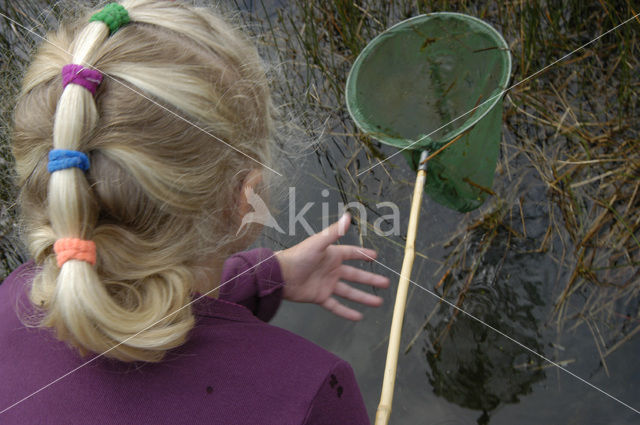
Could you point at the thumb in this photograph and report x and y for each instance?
(332, 233)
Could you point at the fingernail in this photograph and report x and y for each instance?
(344, 222)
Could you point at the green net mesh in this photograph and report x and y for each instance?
(417, 85)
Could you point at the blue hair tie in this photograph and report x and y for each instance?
(60, 159)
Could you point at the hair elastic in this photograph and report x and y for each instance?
(113, 15)
(61, 159)
(73, 73)
(74, 249)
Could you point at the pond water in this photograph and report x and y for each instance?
(458, 370)
(470, 373)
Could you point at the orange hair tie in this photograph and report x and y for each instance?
(75, 249)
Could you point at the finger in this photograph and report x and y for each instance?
(353, 252)
(345, 291)
(357, 275)
(338, 309)
(332, 233)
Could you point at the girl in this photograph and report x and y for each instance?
(137, 131)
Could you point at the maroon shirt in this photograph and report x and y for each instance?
(234, 369)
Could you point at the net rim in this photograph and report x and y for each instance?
(468, 123)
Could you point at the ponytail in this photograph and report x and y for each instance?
(82, 311)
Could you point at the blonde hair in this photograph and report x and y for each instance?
(160, 193)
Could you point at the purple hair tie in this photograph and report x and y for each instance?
(78, 74)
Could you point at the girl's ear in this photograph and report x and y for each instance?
(248, 189)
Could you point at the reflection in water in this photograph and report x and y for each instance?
(470, 364)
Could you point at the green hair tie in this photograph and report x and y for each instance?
(113, 15)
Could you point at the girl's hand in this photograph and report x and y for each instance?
(313, 272)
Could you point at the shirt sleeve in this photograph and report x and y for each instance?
(253, 279)
(338, 400)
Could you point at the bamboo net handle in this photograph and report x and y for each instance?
(388, 383)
